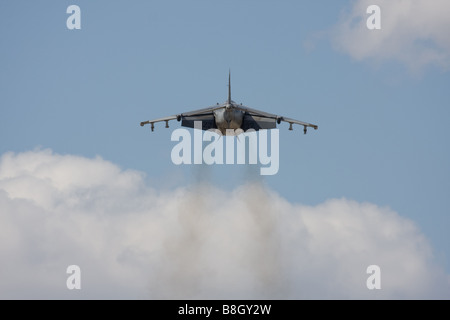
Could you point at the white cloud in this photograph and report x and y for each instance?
(413, 32)
(132, 241)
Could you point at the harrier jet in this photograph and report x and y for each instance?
(230, 116)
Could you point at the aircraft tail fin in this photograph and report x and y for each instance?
(229, 86)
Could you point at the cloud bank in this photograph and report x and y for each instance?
(133, 241)
(413, 32)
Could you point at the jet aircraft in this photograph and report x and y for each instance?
(230, 116)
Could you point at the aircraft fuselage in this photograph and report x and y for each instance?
(228, 118)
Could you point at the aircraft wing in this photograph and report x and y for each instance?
(258, 113)
(202, 112)
(206, 115)
(304, 124)
(260, 116)
(152, 122)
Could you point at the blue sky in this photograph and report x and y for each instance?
(382, 137)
